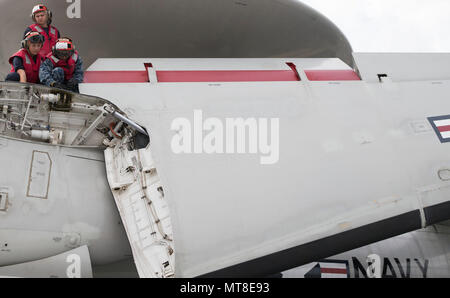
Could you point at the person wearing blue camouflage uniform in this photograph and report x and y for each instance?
(63, 67)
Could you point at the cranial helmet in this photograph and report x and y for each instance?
(33, 37)
(39, 8)
(63, 48)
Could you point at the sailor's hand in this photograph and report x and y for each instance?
(72, 84)
(58, 85)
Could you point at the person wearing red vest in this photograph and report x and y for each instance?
(42, 18)
(63, 67)
(26, 62)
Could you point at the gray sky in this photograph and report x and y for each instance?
(390, 25)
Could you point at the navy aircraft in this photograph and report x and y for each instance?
(230, 166)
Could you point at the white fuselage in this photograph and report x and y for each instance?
(359, 161)
(419, 254)
(354, 155)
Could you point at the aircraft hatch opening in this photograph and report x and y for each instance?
(54, 116)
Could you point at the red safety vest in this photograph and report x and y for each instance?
(67, 65)
(50, 39)
(31, 67)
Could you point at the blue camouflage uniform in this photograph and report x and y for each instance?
(48, 74)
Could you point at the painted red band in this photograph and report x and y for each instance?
(226, 76)
(332, 75)
(333, 270)
(140, 76)
(165, 76)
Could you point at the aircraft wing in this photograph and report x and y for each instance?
(358, 161)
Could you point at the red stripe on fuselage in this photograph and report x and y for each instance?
(333, 270)
(332, 75)
(175, 76)
(165, 76)
(444, 128)
(170, 76)
(129, 76)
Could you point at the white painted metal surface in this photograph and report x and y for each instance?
(403, 66)
(351, 153)
(180, 64)
(73, 263)
(78, 210)
(139, 197)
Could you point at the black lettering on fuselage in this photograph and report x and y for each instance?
(423, 268)
(387, 264)
(400, 268)
(357, 267)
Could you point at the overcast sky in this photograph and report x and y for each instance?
(390, 25)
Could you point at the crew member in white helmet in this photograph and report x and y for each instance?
(63, 67)
(42, 18)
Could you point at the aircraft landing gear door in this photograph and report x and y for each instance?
(139, 196)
